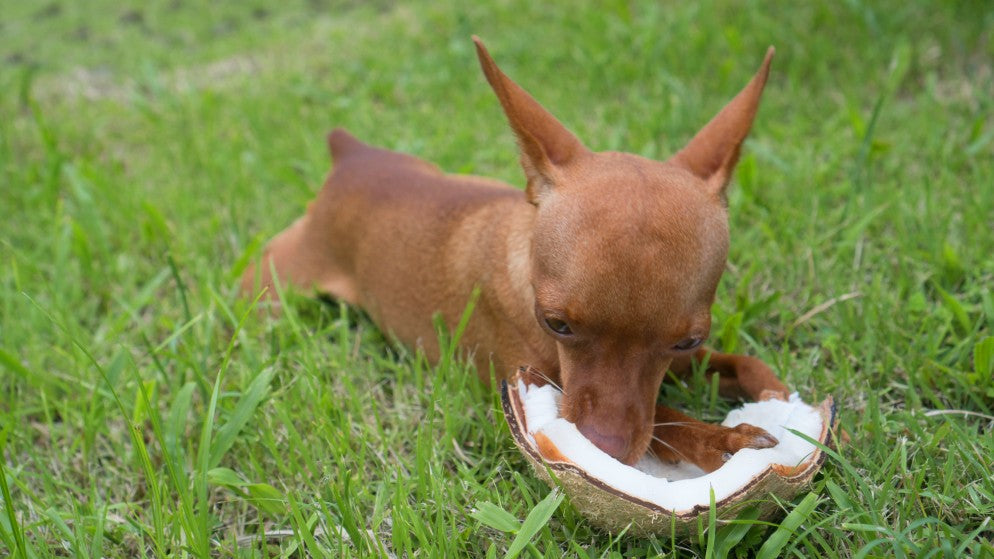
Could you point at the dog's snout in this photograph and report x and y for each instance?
(614, 445)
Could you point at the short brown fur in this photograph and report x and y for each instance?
(623, 251)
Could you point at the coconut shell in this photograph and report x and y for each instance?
(614, 510)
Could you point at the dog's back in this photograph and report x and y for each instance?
(393, 234)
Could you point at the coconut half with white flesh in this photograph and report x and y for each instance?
(655, 497)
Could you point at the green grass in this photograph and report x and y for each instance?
(147, 152)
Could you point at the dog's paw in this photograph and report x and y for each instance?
(723, 444)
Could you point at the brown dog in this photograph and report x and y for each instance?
(601, 273)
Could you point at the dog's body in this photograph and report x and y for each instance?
(601, 274)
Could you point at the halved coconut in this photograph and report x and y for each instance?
(654, 497)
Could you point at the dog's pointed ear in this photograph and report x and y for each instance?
(546, 145)
(714, 151)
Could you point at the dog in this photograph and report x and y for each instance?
(601, 273)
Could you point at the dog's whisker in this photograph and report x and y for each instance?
(653, 453)
(680, 424)
(548, 379)
(671, 447)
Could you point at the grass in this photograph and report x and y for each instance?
(148, 150)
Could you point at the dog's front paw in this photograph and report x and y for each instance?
(722, 445)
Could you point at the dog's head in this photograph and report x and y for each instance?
(626, 256)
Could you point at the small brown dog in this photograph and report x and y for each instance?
(601, 273)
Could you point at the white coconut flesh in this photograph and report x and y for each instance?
(680, 488)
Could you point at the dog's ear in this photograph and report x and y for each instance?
(714, 151)
(546, 145)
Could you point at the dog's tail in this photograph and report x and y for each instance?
(343, 145)
(340, 143)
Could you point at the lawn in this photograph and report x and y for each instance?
(148, 151)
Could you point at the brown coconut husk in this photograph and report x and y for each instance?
(614, 511)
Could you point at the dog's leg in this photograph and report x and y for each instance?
(678, 437)
(295, 257)
(740, 376)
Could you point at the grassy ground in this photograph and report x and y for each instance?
(146, 152)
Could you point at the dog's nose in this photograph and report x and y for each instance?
(611, 444)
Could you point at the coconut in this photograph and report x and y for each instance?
(653, 497)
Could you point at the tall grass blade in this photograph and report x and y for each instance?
(781, 536)
(536, 519)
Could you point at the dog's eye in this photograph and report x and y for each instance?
(558, 326)
(688, 344)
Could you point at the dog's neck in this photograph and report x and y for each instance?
(519, 256)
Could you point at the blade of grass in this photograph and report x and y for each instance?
(240, 416)
(536, 519)
(731, 535)
(17, 531)
(773, 546)
(200, 544)
(137, 439)
(495, 517)
(712, 527)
